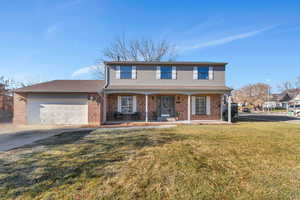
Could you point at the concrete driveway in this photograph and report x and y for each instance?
(16, 136)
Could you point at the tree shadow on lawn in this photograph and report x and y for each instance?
(68, 157)
(265, 118)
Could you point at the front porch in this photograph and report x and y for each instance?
(168, 108)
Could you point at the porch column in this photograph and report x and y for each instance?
(189, 108)
(221, 107)
(146, 107)
(229, 109)
(104, 107)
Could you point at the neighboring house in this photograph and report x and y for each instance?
(132, 91)
(295, 100)
(274, 101)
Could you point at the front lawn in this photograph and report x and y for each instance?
(243, 161)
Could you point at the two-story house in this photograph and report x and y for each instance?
(132, 91)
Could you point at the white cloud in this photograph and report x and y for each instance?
(226, 40)
(52, 29)
(89, 70)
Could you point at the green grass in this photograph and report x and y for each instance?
(241, 161)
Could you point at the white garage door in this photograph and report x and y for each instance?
(57, 109)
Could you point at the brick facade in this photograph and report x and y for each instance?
(112, 106)
(19, 116)
(215, 106)
(94, 109)
(181, 106)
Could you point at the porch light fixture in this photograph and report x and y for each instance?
(90, 97)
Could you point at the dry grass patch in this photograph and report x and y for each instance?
(243, 161)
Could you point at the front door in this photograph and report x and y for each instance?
(166, 106)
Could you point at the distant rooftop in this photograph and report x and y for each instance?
(183, 63)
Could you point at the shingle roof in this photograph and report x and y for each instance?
(66, 86)
(161, 87)
(183, 63)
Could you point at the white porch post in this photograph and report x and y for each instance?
(221, 107)
(229, 109)
(189, 108)
(104, 107)
(146, 107)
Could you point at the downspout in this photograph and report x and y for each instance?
(106, 75)
(103, 94)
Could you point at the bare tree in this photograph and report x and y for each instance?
(98, 71)
(287, 85)
(253, 94)
(122, 49)
(10, 84)
(297, 82)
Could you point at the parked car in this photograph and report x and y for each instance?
(234, 112)
(247, 110)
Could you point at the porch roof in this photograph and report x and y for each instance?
(161, 88)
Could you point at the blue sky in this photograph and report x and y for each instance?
(60, 39)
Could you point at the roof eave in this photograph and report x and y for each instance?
(164, 63)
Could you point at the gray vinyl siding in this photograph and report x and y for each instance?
(146, 75)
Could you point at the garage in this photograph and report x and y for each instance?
(59, 102)
(57, 109)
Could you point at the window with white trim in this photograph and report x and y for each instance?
(203, 73)
(126, 72)
(200, 107)
(165, 72)
(126, 104)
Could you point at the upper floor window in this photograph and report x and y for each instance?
(126, 72)
(203, 73)
(166, 72)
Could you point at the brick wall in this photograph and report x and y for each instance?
(215, 109)
(112, 105)
(94, 109)
(19, 116)
(181, 106)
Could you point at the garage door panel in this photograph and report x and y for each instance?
(63, 114)
(57, 109)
